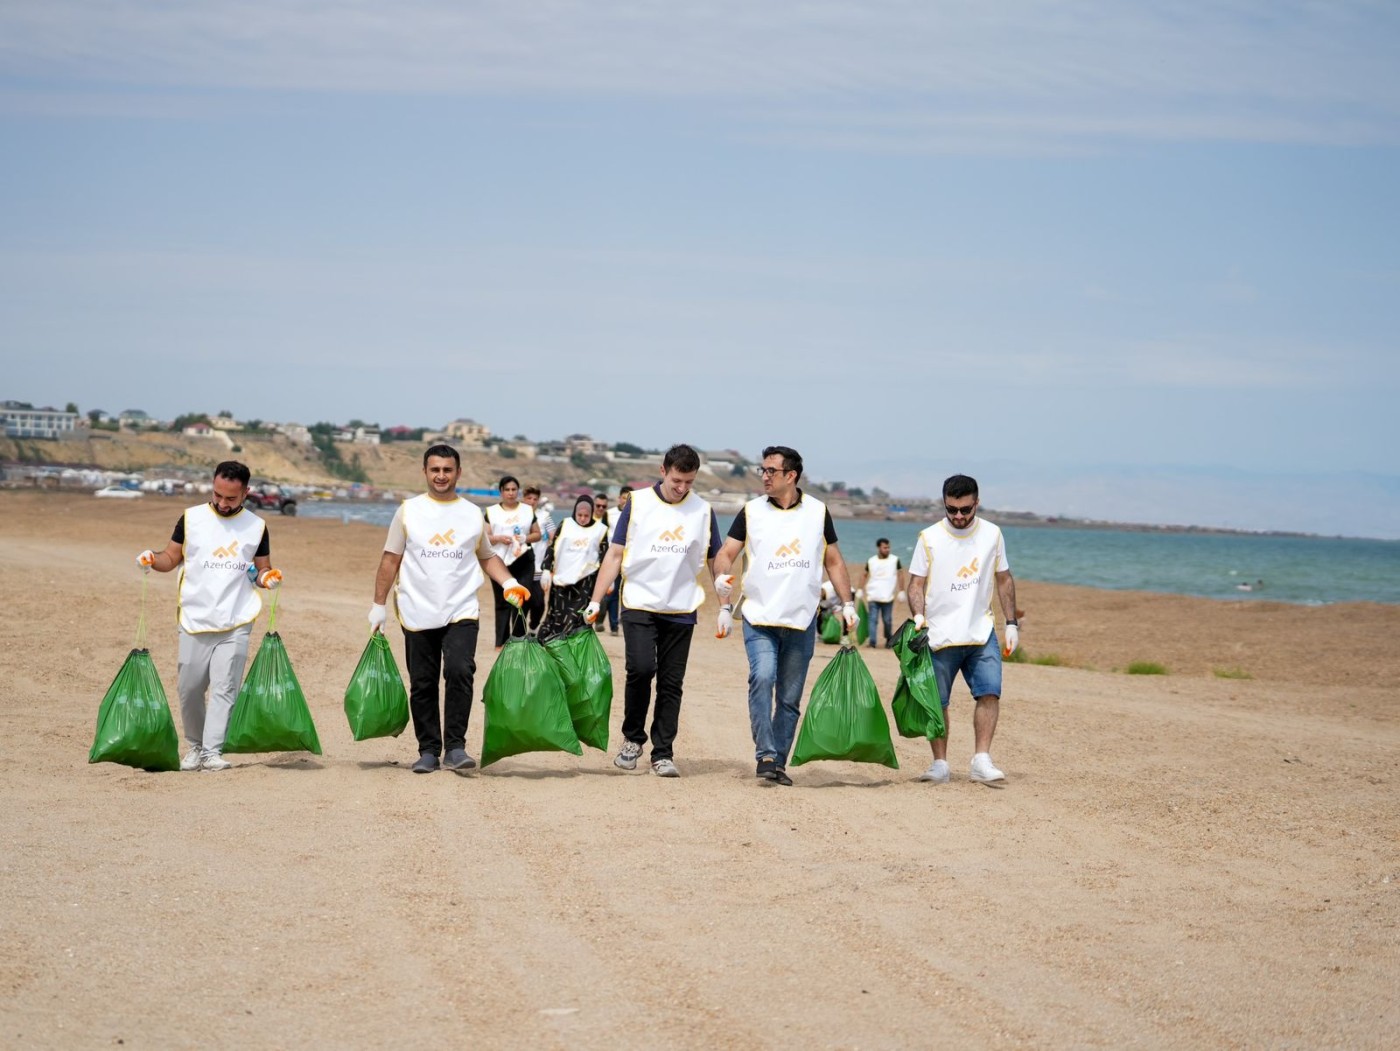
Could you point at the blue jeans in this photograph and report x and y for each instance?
(876, 612)
(778, 659)
(980, 667)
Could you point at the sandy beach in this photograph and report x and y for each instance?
(1183, 861)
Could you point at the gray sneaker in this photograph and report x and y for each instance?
(627, 758)
(214, 761)
(666, 768)
(457, 759)
(427, 763)
(193, 759)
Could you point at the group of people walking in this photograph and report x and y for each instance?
(639, 565)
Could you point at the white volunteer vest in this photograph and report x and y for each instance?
(784, 551)
(884, 578)
(961, 582)
(664, 553)
(440, 573)
(503, 521)
(576, 550)
(215, 592)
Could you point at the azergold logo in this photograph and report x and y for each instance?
(442, 539)
(675, 536)
(969, 570)
(790, 549)
(227, 552)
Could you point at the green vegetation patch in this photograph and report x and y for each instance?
(1146, 668)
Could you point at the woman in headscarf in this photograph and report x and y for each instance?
(569, 569)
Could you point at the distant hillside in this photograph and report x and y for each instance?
(277, 458)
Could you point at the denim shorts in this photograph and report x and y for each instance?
(980, 667)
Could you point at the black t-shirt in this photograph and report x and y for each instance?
(740, 529)
(263, 551)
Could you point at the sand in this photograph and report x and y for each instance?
(1175, 861)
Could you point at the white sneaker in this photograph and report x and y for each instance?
(664, 768)
(627, 758)
(194, 758)
(214, 761)
(937, 772)
(983, 770)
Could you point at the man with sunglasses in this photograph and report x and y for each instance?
(788, 539)
(958, 563)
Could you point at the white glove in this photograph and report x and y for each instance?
(902, 598)
(515, 592)
(848, 614)
(146, 559)
(725, 623)
(378, 614)
(546, 580)
(1013, 639)
(590, 613)
(919, 622)
(860, 594)
(724, 586)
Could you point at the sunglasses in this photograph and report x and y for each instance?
(958, 512)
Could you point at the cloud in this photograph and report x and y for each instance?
(883, 75)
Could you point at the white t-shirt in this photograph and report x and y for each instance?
(961, 567)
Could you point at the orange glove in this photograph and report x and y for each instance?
(270, 578)
(516, 593)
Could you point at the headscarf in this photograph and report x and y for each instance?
(583, 500)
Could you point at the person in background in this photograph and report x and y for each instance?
(545, 521)
(569, 569)
(600, 512)
(883, 585)
(959, 563)
(434, 556)
(225, 554)
(664, 538)
(614, 514)
(511, 529)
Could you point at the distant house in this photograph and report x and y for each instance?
(136, 420)
(582, 443)
(365, 436)
(204, 430)
(468, 433)
(295, 431)
(225, 423)
(24, 421)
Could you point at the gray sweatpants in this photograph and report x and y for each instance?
(212, 661)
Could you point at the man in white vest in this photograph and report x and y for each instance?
(663, 539)
(434, 557)
(224, 551)
(787, 539)
(512, 530)
(958, 563)
(882, 584)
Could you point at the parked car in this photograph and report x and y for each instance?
(118, 492)
(268, 497)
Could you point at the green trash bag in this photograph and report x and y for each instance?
(844, 718)
(862, 622)
(830, 628)
(134, 725)
(588, 687)
(376, 703)
(270, 714)
(525, 706)
(917, 706)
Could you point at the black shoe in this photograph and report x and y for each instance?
(457, 759)
(781, 777)
(767, 769)
(427, 763)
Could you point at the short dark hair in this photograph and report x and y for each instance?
(624, 490)
(234, 472)
(792, 459)
(958, 486)
(882, 540)
(532, 490)
(441, 450)
(600, 496)
(681, 457)
(506, 479)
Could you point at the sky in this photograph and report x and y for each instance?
(1119, 260)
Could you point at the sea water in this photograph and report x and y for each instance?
(1248, 567)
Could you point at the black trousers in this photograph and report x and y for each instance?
(508, 621)
(656, 648)
(448, 653)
